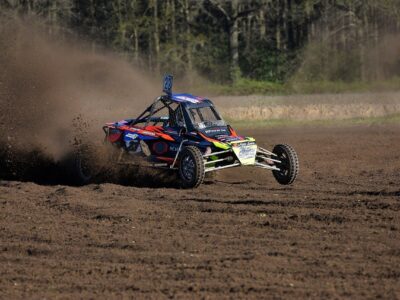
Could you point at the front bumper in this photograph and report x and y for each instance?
(241, 153)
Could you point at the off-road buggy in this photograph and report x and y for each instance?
(186, 134)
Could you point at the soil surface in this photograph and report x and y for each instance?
(334, 234)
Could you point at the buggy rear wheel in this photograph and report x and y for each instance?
(79, 168)
(83, 169)
(289, 166)
(191, 167)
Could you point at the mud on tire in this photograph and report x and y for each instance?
(289, 164)
(191, 167)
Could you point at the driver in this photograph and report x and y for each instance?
(176, 118)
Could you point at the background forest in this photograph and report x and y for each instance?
(264, 44)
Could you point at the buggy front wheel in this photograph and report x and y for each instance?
(191, 167)
(289, 165)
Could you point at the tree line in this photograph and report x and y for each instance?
(225, 41)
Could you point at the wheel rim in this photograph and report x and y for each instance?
(188, 167)
(288, 166)
(283, 165)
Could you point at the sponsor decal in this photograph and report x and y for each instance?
(227, 138)
(131, 135)
(138, 130)
(247, 152)
(244, 144)
(214, 131)
(174, 148)
(145, 132)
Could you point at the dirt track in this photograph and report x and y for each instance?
(334, 234)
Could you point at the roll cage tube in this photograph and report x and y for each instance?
(177, 118)
(173, 115)
(141, 117)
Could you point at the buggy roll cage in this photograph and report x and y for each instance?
(146, 116)
(167, 89)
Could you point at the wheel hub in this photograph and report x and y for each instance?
(188, 167)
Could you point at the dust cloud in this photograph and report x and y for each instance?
(50, 89)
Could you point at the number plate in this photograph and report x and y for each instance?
(246, 153)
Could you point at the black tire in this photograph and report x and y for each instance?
(289, 164)
(78, 169)
(191, 167)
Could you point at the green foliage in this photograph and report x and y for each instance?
(242, 86)
(242, 47)
(267, 64)
(251, 87)
(321, 87)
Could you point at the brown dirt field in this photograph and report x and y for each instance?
(334, 234)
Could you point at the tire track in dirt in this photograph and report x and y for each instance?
(334, 234)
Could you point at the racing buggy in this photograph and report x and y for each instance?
(186, 134)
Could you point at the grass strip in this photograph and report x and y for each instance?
(253, 124)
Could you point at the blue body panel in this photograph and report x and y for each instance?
(186, 98)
